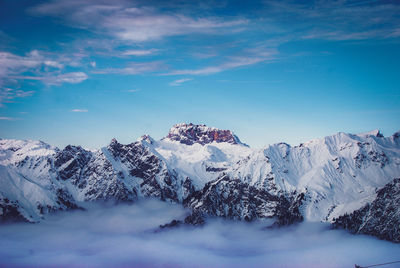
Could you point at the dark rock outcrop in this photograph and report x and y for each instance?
(234, 199)
(189, 134)
(381, 218)
(9, 211)
(156, 179)
(70, 162)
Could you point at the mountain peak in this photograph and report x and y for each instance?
(113, 141)
(374, 133)
(146, 138)
(191, 133)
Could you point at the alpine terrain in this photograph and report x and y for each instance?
(349, 180)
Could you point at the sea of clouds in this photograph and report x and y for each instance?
(128, 235)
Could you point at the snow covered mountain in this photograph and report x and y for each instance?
(338, 174)
(206, 169)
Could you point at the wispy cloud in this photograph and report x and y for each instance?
(4, 118)
(129, 21)
(336, 20)
(34, 61)
(133, 68)
(120, 25)
(149, 27)
(132, 90)
(72, 78)
(79, 110)
(233, 62)
(205, 55)
(341, 35)
(7, 95)
(128, 30)
(138, 22)
(11, 64)
(139, 52)
(58, 79)
(180, 81)
(34, 65)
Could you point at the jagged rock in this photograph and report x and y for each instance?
(233, 199)
(9, 211)
(70, 162)
(380, 218)
(172, 224)
(190, 134)
(156, 180)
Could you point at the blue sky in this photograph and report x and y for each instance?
(83, 72)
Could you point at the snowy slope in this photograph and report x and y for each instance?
(28, 187)
(14, 151)
(201, 163)
(24, 199)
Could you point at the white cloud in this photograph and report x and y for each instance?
(41, 66)
(79, 110)
(54, 64)
(4, 118)
(11, 64)
(148, 26)
(58, 79)
(72, 78)
(139, 52)
(234, 62)
(132, 90)
(179, 81)
(133, 68)
(138, 22)
(128, 21)
(35, 61)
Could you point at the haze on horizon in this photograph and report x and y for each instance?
(83, 72)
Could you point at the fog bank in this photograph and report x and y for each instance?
(124, 235)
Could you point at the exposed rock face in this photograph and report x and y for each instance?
(91, 173)
(233, 199)
(138, 161)
(189, 134)
(9, 211)
(70, 162)
(381, 218)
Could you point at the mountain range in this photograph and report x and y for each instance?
(346, 179)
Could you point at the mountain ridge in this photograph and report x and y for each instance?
(322, 179)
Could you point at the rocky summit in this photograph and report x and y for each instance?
(189, 134)
(347, 179)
